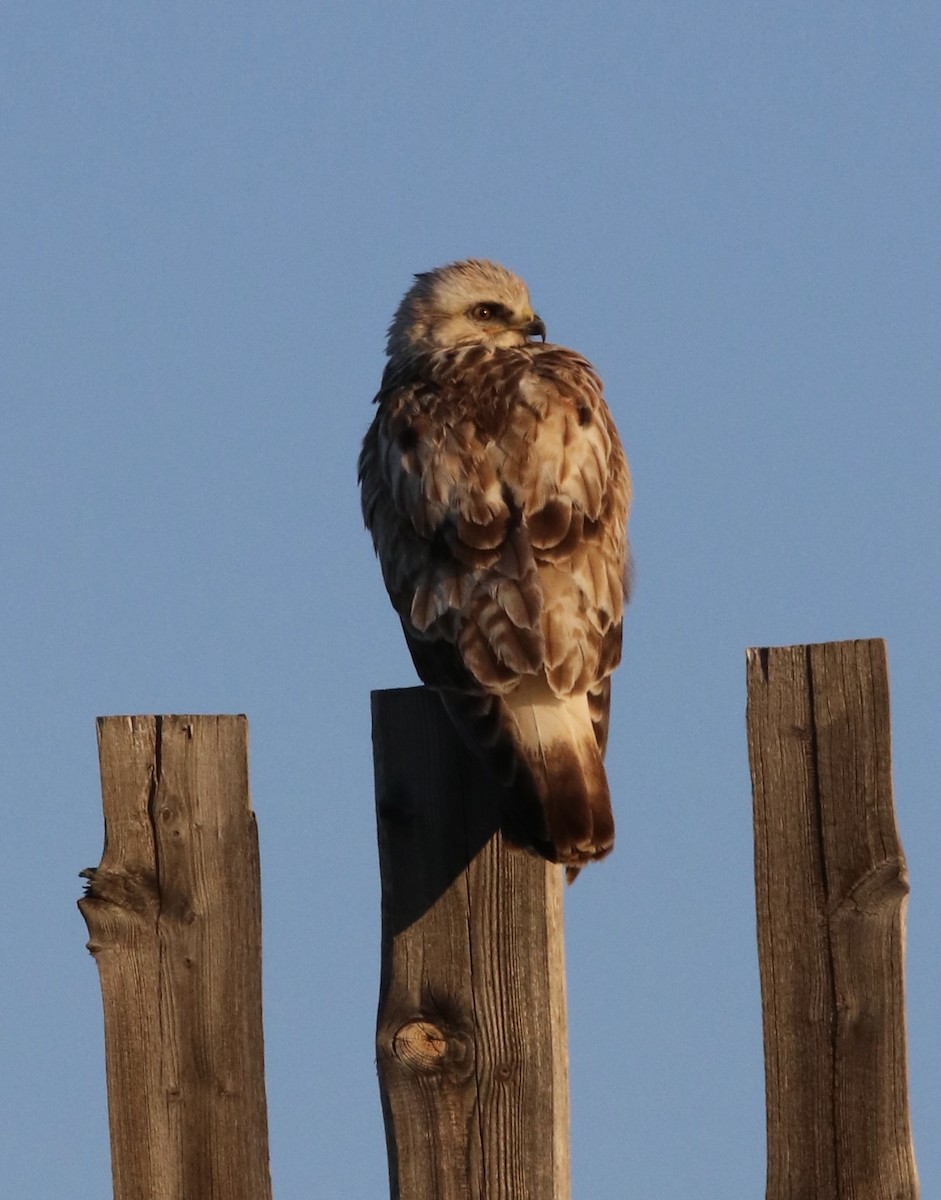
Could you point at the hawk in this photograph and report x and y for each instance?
(496, 491)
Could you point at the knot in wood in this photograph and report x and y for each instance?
(421, 1045)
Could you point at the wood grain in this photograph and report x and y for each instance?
(174, 918)
(831, 887)
(471, 1037)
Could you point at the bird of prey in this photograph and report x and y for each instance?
(497, 493)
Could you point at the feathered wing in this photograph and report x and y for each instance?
(497, 493)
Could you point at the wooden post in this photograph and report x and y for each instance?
(471, 1037)
(174, 918)
(831, 886)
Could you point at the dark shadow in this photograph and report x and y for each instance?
(437, 805)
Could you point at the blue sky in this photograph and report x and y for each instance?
(210, 213)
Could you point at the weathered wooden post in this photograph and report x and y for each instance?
(471, 1037)
(831, 886)
(174, 918)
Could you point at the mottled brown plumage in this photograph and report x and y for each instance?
(497, 495)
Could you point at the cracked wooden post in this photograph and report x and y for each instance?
(174, 918)
(471, 1037)
(831, 885)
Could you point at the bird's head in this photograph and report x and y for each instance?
(464, 304)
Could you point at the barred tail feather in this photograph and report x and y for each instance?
(543, 752)
(556, 742)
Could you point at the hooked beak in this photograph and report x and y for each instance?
(535, 328)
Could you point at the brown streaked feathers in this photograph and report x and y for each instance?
(497, 495)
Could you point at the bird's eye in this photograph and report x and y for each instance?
(486, 312)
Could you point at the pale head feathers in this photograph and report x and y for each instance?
(467, 303)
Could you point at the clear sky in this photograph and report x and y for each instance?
(210, 212)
